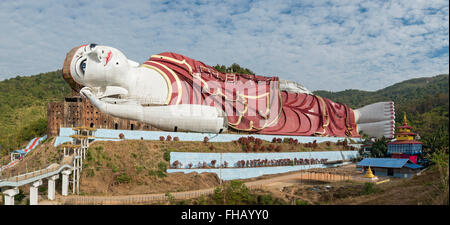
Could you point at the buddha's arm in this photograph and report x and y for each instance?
(199, 118)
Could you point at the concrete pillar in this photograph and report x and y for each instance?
(51, 186)
(34, 192)
(65, 182)
(9, 195)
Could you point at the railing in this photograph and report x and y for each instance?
(31, 174)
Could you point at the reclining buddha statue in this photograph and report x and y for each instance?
(173, 92)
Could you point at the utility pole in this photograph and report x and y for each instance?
(220, 169)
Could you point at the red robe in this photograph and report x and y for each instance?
(252, 103)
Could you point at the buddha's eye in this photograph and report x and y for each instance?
(83, 65)
(91, 46)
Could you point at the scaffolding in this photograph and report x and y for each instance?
(78, 149)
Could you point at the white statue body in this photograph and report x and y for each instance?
(122, 88)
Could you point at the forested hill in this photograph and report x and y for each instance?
(415, 96)
(400, 93)
(23, 107)
(32, 90)
(425, 101)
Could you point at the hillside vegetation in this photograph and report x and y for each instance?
(23, 107)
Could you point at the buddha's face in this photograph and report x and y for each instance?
(98, 66)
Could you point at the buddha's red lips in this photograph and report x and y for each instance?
(108, 57)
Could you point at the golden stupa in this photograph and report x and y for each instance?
(369, 173)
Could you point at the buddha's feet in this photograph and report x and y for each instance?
(378, 129)
(380, 111)
(377, 119)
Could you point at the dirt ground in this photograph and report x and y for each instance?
(419, 190)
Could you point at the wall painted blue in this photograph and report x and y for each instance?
(185, 136)
(244, 173)
(232, 158)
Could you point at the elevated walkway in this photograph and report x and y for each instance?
(27, 178)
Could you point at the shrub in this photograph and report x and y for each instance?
(278, 148)
(161, 138)
(163, 166)
(345, 143)
(19, 197)
(262, 148)
(369, 188)
(123, 178)
(157, 173)
(274, 140)
(225, 164)
(138, 168)
(213, 163)
(176, 164)
(279, 140)
(167, 156)
(246, 147)
(190, 165)
(205, 140)
(121, 136)
(176, 139)
(234, 193)
(169, 138)
(300, 202)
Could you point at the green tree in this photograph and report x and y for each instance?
(436, 140)
(234, 193)
(379, 148)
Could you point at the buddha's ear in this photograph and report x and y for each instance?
(133, 63)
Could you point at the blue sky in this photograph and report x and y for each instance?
(330, 45)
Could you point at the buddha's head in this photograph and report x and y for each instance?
(95, 66)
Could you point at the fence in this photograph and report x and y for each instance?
(155, 198)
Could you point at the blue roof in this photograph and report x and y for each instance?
(21, 151)
(413, 166)
(383, 162)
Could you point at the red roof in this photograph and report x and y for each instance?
(404, 142)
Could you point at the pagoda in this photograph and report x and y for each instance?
(405, 145)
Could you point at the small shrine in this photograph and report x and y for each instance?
(369, 174)
(405, 145)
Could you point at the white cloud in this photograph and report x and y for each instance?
(328, 45)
